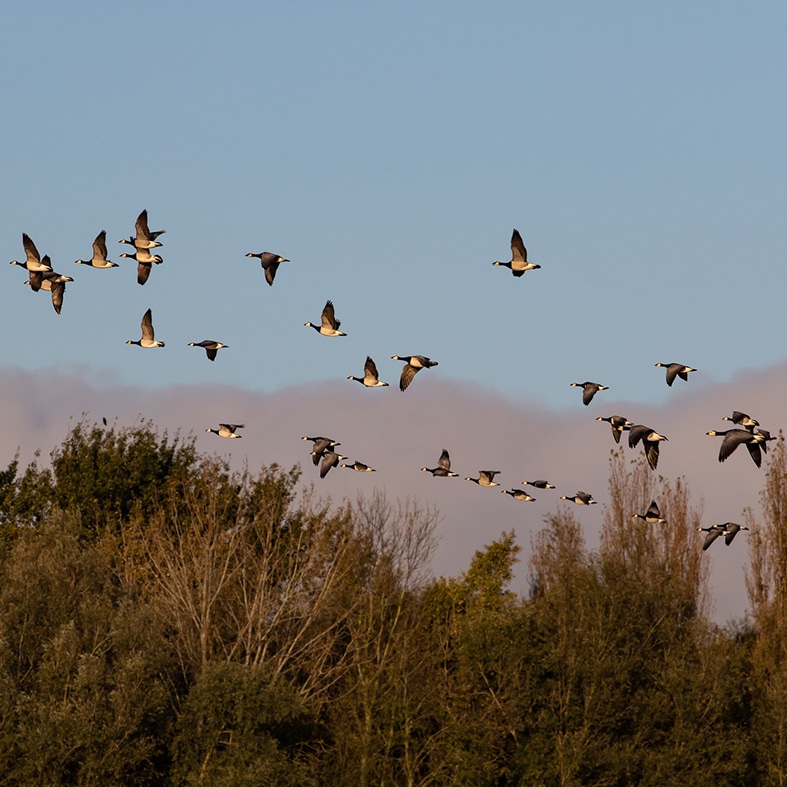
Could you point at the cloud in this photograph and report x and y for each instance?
(399, 433)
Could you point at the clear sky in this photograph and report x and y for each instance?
(388, 149)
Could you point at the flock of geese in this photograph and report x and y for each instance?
(746, 432)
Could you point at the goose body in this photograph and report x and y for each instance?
(589, 390)
(741, 419)
(580, 498)
(99, 258)
(676, 370)
(33, 262)
(321, 445)
(413, 364)
(652, 516)
(540, 484)
(518, 494)
(148, 339)
(485, 478)
(145, 262)
(329, 459)
(618, 423)
(144, 238)
(735, 437)
(227, 430)
(650, 442)
(443, 469)
(518, 263)
(211, 347)
(270, 264)
(359, 467)
(370, 377)
(329, 325)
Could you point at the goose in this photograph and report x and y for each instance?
(53, 282)
(413, 365)
(227, 430)
(580, 498)
(33, 261)
(145, 262)
(329, 325)
(144, 239)
(676, 370)
(329, 459)
(652, 516)
(211, 347)
(99, 258)
(735, 437)
(270, 264)
(731, 529)
(589, 390)
(540, 484)
(443, 469)
(741, 419)
(618, 423)
(485, 478)
(518, 494)
(370, 377)
(148, 339)
(518, 264)
(359, 467)
(650, 442)
(321, 444)
(713, 531)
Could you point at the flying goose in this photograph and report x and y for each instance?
(650, 442)
(618, 423)
(741, 419)
(370, 377)
(731, 529)
(270, 264)
(227, 430)
(144, 239)
(652, 516)
(51, 281)
(148, 339)
(713, 531)
(321, 444)
(676, 370)
(485, 478)
(33, 261)
(329, 325)
(540, 484)
(589, 390)
(580, 498)
(443, 469)
(329, 459)
(413, 365)
(211, 347)
(518, 264)
(359, 467)
(99, 258)
(145, 262)
(518, 494)
(735, 437)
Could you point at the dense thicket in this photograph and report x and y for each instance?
(166, 620)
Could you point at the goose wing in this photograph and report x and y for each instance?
(370, 369)
(30, 249)
(147, 326)
(732, 440)
(141, 226)
(58, 288)
(518, 250)
(653, 511)
(329, 317)
(100, 245)
(444, 461)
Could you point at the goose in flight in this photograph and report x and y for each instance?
(518, 263)
(540, 484)
(329, 459)
(321, 445)
(412, 365)
(370, 377)
(580, 498)
(329, 325)
(227, 430)
(741, 419)
(676, 370)
(652, 516)
(270, 264)
(443, 469)
(148, 339)
(359, 467)
(99, 258)
(144, 238)
(485, 478)
(650, 442)
(589, 390)
(33, 261)
(518, 494)
(211, 347)
(735, 437)
(50, 281)
(618, 423)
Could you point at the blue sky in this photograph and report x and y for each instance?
(388, 150)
